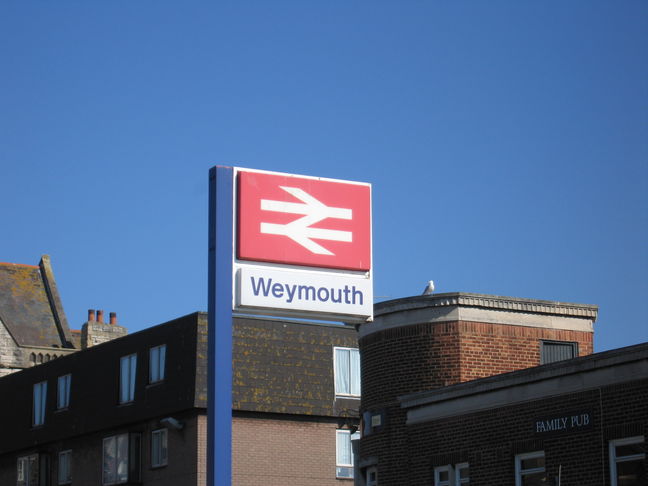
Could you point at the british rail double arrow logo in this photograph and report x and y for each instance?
(300, 230)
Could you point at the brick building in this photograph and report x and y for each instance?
(443, 403)
(133, 410)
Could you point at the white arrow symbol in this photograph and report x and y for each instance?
(300, 230)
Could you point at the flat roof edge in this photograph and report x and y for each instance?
(486, 301)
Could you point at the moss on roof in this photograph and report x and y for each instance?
(25, 309)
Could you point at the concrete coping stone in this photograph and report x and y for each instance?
(488, 302)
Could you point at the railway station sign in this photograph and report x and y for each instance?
(303, 246)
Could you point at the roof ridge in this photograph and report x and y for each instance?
(19, 264)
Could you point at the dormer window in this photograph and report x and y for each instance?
(40, 398)
(157, 358)
(128, 367)
(63, 392)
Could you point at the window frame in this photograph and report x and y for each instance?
(38, 414)
(26, 471)
(163, 434)
(368, 479)
(68, 479)
(132, 460)
(344, 394)
(519, 472)
(545, 342)
(437, 475)
(63, 400)
(127, 383)
(614, 459)
(160, 363)
(338, 464)
(458, 468)
(454, 474)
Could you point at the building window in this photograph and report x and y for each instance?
(442, 475)
(157, 357)
(65, 467)
(372, 476)
(63, 395)
(347, 372)
(127, 378)
(552, 351)
(121, 459)
(344, 453)
(40, 398)
(159, 448)
(452, 475)
(530, 469)
(462, 473)
(27, 471)
(627, 462)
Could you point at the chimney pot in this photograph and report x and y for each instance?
(113, 318)
(91, 315)
(100, 316)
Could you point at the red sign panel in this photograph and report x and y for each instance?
(300, 221)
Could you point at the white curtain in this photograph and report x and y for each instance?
(342, 367)
(355, 372)
(344, 453)
(109, 459)
(122, 458)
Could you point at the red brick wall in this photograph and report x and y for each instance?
(425, 356)
(491, 349)
(277, 452)
(407, 360)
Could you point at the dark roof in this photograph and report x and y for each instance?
(281, 366)
(26, 308)
(287, 367)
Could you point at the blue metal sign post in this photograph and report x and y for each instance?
(219, 374)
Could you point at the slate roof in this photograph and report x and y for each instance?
(283, 367)
(26, 309)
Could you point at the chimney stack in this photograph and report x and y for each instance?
(96, 331)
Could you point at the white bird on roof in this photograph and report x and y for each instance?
(429, 289)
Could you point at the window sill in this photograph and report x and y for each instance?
(154, 384)
(158, 466)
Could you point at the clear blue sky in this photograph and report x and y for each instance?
(506, 141)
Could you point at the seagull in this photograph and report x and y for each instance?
(429, 289)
